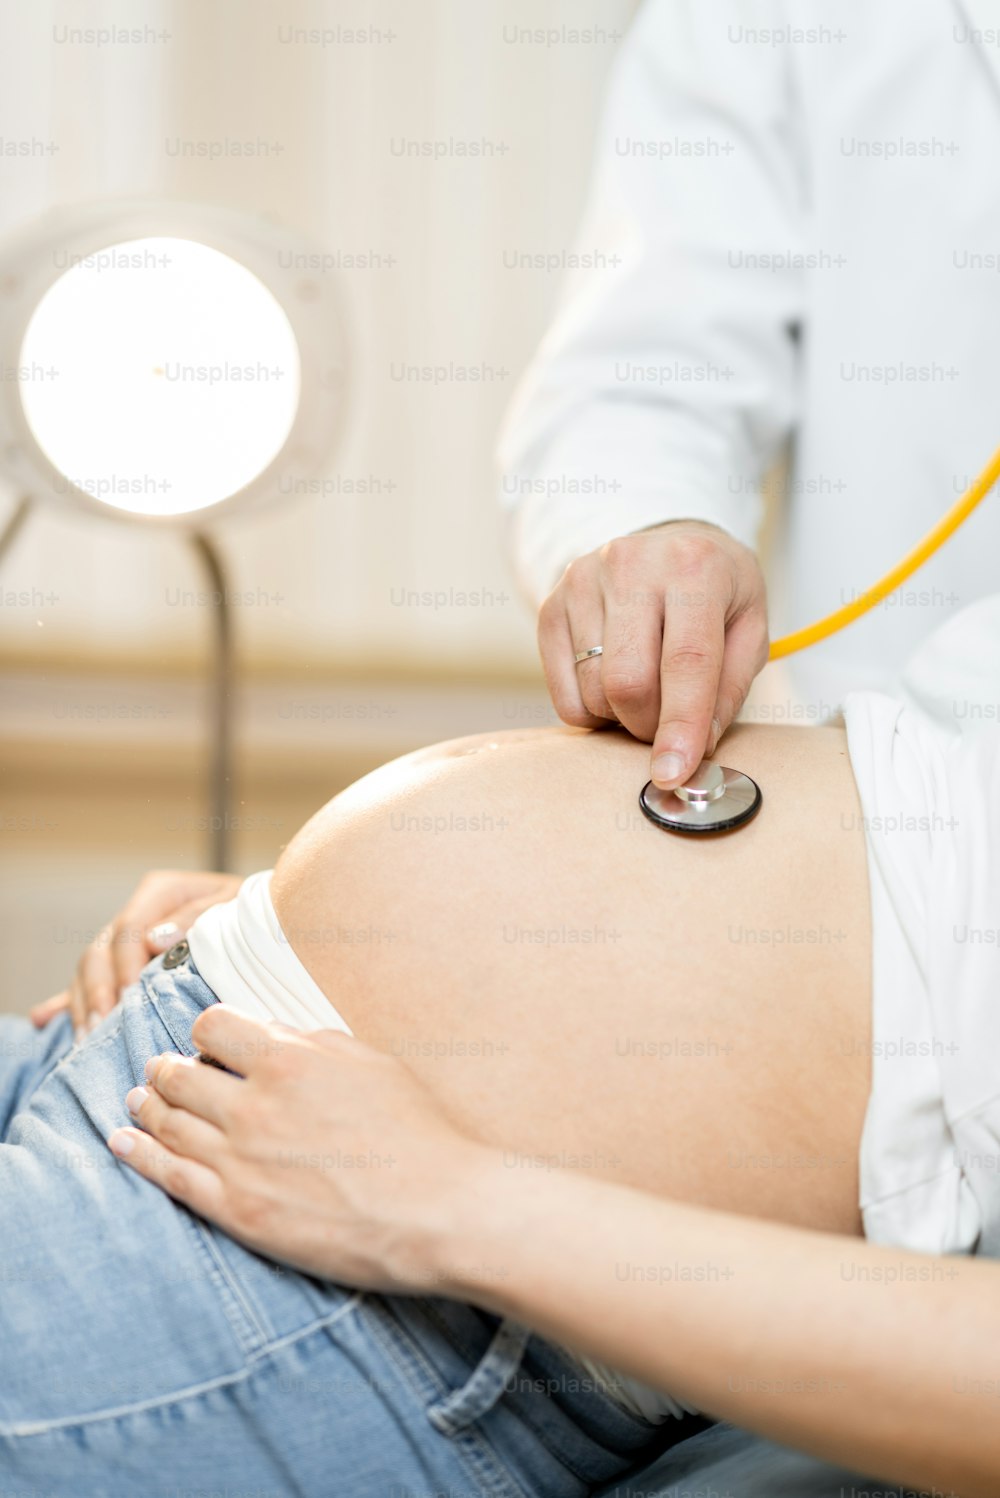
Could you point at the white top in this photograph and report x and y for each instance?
(246, 960)
(764, 166)
(927, 765)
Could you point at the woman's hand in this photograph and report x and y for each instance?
(323, 1153)
(164, 905)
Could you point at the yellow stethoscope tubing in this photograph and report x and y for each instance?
(934, 539)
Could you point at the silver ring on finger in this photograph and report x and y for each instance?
(588, 655)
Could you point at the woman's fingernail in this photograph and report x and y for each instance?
(165, 934)
(667, 767)
(121, 1143)
(149, 1070)
(136, 1098)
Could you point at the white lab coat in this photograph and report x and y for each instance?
(862, 154)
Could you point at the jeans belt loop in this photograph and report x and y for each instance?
(485, 1384)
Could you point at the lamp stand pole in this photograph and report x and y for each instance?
(221, 714)
(15, 520)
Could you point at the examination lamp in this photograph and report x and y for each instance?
(174, 363)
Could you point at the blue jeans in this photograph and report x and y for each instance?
(143, 1351)
(724, 1462)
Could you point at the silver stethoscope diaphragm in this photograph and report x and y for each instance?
(714, 799)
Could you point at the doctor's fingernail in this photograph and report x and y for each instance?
(715, 734)
(121, 1143)
(667, 767)
(135, 1099)
(149, 1070)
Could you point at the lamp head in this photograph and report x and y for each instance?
(170, 359)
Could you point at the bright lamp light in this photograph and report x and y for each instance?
(167, 361)
(175, 376)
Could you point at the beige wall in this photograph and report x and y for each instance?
(102, 732)
(326, 119)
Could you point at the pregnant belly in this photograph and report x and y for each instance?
(587, 992)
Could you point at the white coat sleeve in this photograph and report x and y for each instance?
(667, 384)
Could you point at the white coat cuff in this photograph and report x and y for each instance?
(551, 530)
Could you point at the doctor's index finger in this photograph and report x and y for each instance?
(694, 638)
(745, 655)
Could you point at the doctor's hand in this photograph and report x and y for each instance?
(681, 613)
(323, 1153)
(163, 906)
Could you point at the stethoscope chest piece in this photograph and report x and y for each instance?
(715, 799)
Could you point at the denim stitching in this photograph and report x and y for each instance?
(183, 1043)
(178, 1396)
(243, 1315)
(525, 1412)
(408, 1356)
(411, 1356)
(426, 1382)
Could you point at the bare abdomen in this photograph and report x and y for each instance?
(585, 990)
